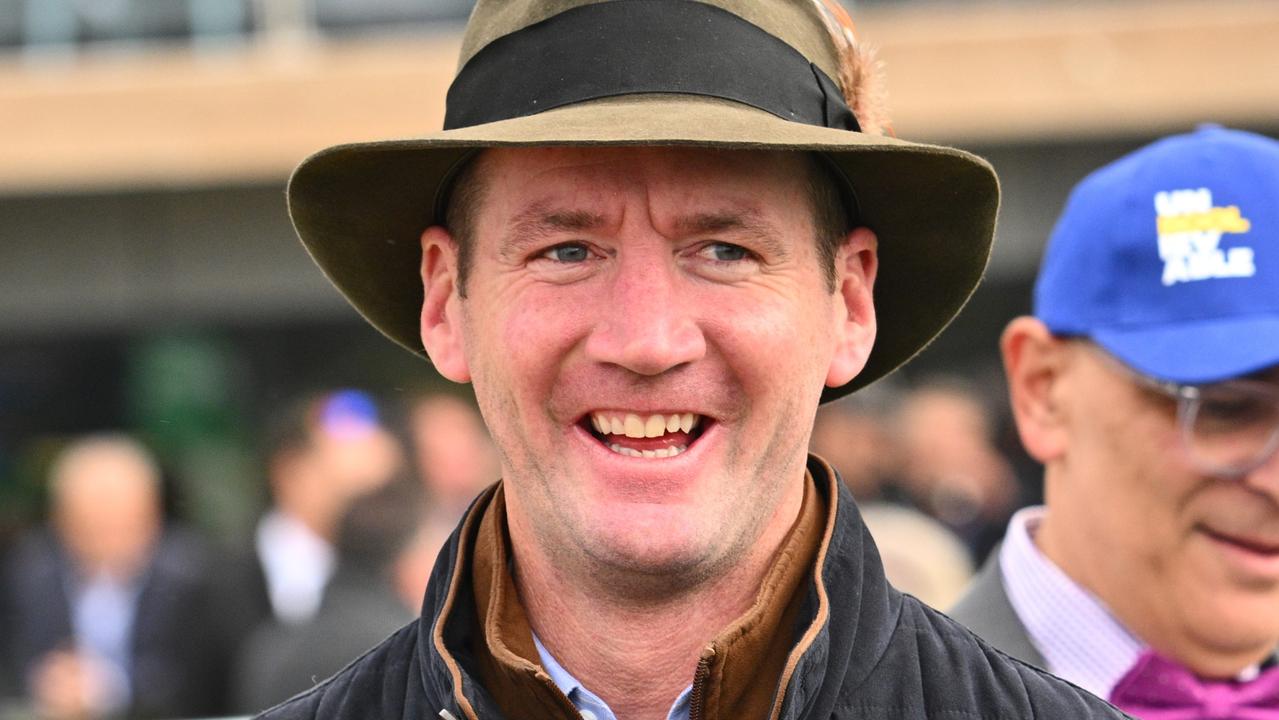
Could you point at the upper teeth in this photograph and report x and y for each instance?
(632, 425)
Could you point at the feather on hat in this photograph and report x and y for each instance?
(861, 72)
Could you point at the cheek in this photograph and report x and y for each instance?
(1155, 485)
(523, 332)
(1135, 489)
(539, 333)
(519, 348)
(1154, 494)
(787, 338)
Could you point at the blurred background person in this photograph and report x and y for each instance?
(110, 607)
(950, 468)
(454, 457)
(1147, 383)
(927, 446)
(322, 451)
(858, 437)
(854, 435)
(921, 556)
(386, 545)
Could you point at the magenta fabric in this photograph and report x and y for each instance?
(1159, 689)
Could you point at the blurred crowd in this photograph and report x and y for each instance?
(934, 470)
(113, 607)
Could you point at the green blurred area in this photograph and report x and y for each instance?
(198, 397)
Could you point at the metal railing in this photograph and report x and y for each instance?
(46, 28)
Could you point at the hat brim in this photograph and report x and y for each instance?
(1203, 351)
(360, 209)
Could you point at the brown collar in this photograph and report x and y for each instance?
(739, 671)
(508, 661)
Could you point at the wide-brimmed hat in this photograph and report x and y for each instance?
(729, 74)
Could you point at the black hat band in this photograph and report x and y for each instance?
(627, 47)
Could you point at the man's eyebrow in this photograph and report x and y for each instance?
(746, 223)
(540, 220)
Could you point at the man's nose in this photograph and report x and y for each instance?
(646, 320)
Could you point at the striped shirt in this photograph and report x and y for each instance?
(1072, 628)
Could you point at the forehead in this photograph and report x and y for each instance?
(516, 177)
(1098, 355)
(101, 474)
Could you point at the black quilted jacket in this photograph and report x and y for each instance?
(877, 653)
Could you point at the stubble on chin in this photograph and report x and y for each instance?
(617, 564)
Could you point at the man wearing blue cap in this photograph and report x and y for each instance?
(1147, 383)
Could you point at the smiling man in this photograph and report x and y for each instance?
(1147, 384)
(655, 235)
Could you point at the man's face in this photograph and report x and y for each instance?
(670, 293)
(1185, 558)
(107, 511)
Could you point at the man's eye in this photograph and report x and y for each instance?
(1231, 414)
(725, 252)
(567, 253)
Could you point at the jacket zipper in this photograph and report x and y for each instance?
(697, 698)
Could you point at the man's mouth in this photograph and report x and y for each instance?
(645, 435)
(1256, 546)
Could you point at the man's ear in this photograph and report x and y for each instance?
(441, 306)
(856, 262)
(1035, 362)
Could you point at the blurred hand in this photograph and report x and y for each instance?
(68, 685)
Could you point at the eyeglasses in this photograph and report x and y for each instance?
(1228, 428)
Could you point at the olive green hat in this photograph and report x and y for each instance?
(732, 74)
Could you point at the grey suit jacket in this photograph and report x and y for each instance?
(985, 609)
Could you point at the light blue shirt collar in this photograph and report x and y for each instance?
(588, 703)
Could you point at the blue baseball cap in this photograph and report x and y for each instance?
(1169, 258)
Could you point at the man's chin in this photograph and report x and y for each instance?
(1232, 621)
(651, 545)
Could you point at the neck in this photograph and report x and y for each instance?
(310, 515)
(1101, 572)
(638, 651)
